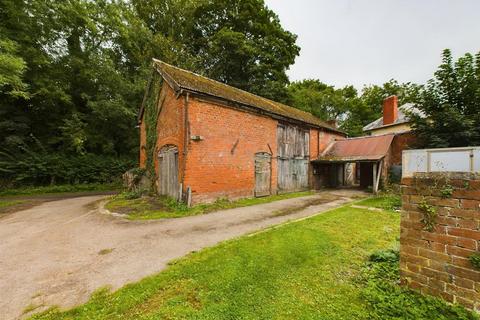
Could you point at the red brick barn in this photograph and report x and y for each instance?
(212, 140)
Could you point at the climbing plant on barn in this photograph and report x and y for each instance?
(150, 119)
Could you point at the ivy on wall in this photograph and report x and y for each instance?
(438, 186)
(475, 260)
(150, 119)
(429, 215)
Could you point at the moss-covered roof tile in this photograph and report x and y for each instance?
(193, 82)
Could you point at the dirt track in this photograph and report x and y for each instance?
(59, 252)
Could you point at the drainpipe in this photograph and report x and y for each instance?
(318, 143)
(186, 133)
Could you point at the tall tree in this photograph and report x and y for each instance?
(451, 104)
(12, 88)
(322, 100)
(243, 44)
(351, 110)
(371, 99)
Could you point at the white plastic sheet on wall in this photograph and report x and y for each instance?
(465, 159)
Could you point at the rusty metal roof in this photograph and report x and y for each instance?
(186, 80)
(368, 148)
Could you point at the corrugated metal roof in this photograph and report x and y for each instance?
(402, 117)
(369, 148)
(190, 81)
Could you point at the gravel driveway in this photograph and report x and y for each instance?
(59, 252)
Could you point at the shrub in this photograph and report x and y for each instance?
(40, 169)
(175, 205)
(130, 195)
(391, 255)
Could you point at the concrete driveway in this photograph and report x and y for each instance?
(59, 252)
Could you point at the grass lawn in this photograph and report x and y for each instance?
(388, 201)
(27, 191)
(312, 269)
(145, 208)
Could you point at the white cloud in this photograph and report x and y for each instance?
(371, 41)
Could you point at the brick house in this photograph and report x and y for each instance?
(213, 140)
(395, 121)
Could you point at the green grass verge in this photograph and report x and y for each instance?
(27, 191)
(146, 208)
(383, 201)
(9, 203)
(311, 269)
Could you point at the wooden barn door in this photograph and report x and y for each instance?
(263, 173)
(293, 158)
(168, 172)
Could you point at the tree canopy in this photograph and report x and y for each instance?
(451, 104)
(351, 109)
(243, 44)
(72, 73)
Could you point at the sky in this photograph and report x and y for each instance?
(363, 42)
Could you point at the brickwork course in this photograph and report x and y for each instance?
(437, 261)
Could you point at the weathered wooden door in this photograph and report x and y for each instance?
(293, 158)
(168, 172)
(263, 174)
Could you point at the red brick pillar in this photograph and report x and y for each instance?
(440, 233)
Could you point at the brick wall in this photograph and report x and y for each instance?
(402, 141)
(222, 163)
(437, 262)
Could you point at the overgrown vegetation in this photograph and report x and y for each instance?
(27, 191)
(150, 121)
(380, 280)
(475, 260)
(311, 269)
(149, 207)
(429, 215)
(446, 191)
(43, 168)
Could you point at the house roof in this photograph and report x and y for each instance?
(185, 80)
(402, 117)
(368, 148)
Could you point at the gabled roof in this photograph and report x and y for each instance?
(402, 117)
(183, 80)
(368, 148)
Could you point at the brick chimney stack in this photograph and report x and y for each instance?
(390, 110)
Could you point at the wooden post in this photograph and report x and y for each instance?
(189, 197)
(377, 174)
